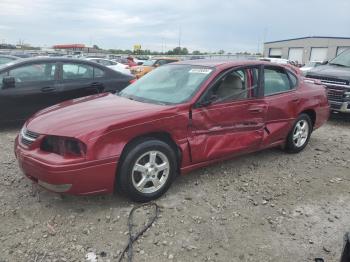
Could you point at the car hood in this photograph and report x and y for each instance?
(332, 71)
(142, 68)
(82, 116)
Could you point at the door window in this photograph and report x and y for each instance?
(236, 85)
(276, 81)
(77, 71)
(34, 72)
(98, 73)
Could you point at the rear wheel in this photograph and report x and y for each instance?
(148, 170)
(299, 136)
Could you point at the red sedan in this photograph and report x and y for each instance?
(177, 118)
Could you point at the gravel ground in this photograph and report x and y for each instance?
(266, 206)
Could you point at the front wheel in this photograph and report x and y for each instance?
(299, 136)
(148, 170)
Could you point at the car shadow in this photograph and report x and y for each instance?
(339, 119)
(11, 126)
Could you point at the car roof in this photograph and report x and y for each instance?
(223, 64)
(46, 60)
(220, 63)
(24, 61)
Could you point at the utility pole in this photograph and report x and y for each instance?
(180, 36)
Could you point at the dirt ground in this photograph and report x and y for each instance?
(266, 206)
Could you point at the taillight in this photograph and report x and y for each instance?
(132, 81)
(63, 146)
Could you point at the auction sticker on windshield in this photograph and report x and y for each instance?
(200, 71)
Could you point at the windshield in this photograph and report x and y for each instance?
(148, 62)
(170, 84)
(343, 59)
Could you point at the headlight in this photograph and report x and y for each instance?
(64, 146)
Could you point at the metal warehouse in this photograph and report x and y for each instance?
(305, 49)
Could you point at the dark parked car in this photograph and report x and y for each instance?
(32, 84)
(336, 76)
(4, 59)
(179, 117)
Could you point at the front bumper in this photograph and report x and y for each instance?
(343, 107)
(86, 178)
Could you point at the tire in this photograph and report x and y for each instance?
(147, 170)
(300, 134)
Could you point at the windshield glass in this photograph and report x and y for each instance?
(343, 59)
(170, 84)
(148, 62)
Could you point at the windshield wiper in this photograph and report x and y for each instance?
(338, 64)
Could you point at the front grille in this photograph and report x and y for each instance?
(28, 137)
(335, 106)
(330, 80)
(335, 94)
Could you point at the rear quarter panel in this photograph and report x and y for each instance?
(314, 97)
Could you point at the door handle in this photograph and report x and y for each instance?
(256, 109)
(47, 89)
(97, 86)
(296, 100)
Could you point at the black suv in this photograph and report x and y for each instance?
(336, 76)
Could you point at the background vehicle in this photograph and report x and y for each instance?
(149, 65)
(336, 76)
(28, 85)
(111, 64)
(275, 60)
(310, 66)
(4, 59)
(180, 117)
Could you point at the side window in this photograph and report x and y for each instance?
(98, 73)
(161, 62)
(103, 62)
(34, 72)
(236, 85)
(77, 71)
(293, 80)
(276, 81)
(5, 60)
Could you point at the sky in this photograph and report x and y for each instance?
(205, 25)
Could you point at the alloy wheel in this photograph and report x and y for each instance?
(150, 172)
(300, 133)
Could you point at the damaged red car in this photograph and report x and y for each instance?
(177, 118)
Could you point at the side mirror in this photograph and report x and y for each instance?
(208, 101)
(324, 62)
(8, 82)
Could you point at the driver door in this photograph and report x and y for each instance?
(34, 89)
(229, 118)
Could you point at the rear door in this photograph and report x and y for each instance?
(282, 99)
(35, 88)
(77, 80)
(233, 123)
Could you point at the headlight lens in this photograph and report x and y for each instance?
(64, 146)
